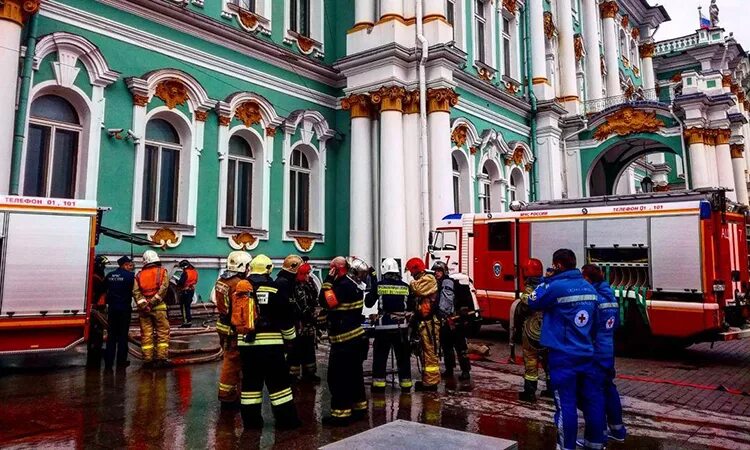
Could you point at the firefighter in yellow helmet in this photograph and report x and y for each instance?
(237, 265)
(150, 287)
(262, 348)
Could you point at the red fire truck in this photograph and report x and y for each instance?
(677, 261)
(46, 264)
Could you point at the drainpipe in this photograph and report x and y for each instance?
(19, 134)
(682, 143)
(423, 161)
(534, 106)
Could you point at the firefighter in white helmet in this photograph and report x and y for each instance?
(237, 265)
(150, 287)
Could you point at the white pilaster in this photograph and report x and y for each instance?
(10, 44)
(611, 48)
(364, 12)
(441, 173)
(567, 57)
(699, 177)
(361, 229)
(647, 70)
(738, 170)
(391, 7)
(550, 156)
(593, 52)
(412, 183)
(724, 166)
(542, 88)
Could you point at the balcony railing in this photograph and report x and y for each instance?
(676, 44)
(599, 105)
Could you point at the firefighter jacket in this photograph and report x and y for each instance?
(150, 287)
(531, 320)
(392, 296)
(223, 291)
(424, 289)
(446, 296)
(119, 284)
(608, 319)
(275, 322)
(345, 318)
(569, 303)
(305, 300)
(188, 279)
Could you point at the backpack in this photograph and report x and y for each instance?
(244, 311)
(462, 291)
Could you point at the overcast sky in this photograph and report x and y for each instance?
(734, 16)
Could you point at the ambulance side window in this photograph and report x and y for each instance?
(499, 236)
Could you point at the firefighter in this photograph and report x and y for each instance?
(285, 281)
(150, 287)
(119, 298)
(342, 295)
(262, 351)
(425, 323)
(237, 265)
(453, 327)
(96, 324)
(570, 306)
(534, 354)
(186, 288)
(391, 294)
(604, 349)
(304, 298)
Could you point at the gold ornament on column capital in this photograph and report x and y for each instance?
(358, 105)
(549, 25)
(635, 33)
(709, 136)
(18, 11)
(723, 135)
(694, 135)
(609, 9)
(578, 46)
(459, 135)
(510, 6)
(173, 92)
(390, 98)
(625, 21)
(737, 151)
(726, 80)
(411, 102)
(441, 100)
(647, 50)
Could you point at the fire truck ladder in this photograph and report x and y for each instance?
(629, 281)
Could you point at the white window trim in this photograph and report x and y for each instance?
(515, 49)
(317, 29)
(259, 215)
(263, 12)
(466, 187)
(495, 180)
(459, 27)
(490, 45)
(160, 147)
(302, 170)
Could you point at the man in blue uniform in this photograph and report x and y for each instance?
(119, 294)
(570, 305)
(608, 319)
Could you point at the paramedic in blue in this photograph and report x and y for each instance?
(570, 305)
(604, 348)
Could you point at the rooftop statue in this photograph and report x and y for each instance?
(713, 10)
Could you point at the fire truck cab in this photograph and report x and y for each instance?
(677, 261)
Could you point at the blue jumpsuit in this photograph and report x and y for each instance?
(570, 306)
(604, 356)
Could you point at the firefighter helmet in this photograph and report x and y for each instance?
(185, 264)
(533, 268)
(339, 266)
(303, 272)
(415, 266)
(243, 287)
(440, 266)
(238, 261)
(358, 268)
(261, 265)
(291, 263)
(150, 257)
(389, 265)
(101, 261)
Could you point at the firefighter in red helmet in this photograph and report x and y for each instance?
(425, 323)
(533, 353)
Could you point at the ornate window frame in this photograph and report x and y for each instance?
(489, 65)
(259, 20)
(307, 45)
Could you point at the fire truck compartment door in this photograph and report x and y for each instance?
(46, 267)
(676, 254)
(610, 233)
(547, 237)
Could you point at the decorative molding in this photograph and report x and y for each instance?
(726, 80)
(625, 21)
(486, 74)
(140, 100)
(441, 99)
(201, 116)
(411, 102)
(304, 243)
(358, 105)
(243, 241)
(578, 47)
(549, 25)
(74, 48)
(723, 136)
(18, 11)
(647, 49)
(709, 136)
(694, 135)
(635, 33)
(737, 151)
(224, 121)
(248, 113)
(390, 98)
(628, 121)
(609, 9)
(510, 5)
(459, 134)
(172, 91)
(166, 238)
(270, 131)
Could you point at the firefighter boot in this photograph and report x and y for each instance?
(529, 391)
(465, 375)
(421, 387)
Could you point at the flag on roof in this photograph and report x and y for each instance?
(705, 23)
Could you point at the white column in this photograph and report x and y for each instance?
(647, 66)
(661, 171)
(364, 13)
(698, 171)
(549, 162)
(391, 7)
(710, 156)
(433, 8)
(725, 170)
(439, 139)
(361, 229)
(611, 48)
(10, 44)
(411, 176)
(593, 52)
(538, 51)
(567, 56)
(738, 169)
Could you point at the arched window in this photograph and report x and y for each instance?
(456, 185)
(633, 53)
(517, 188)
(52, 152)
(161, 172)
(485, 190)
(240, 182)
(299, 192)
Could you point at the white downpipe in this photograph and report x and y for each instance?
(423, 161)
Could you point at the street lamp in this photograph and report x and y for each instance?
(647, 184)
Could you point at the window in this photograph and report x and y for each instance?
(623, 45)
(512, 190)
(299, 17)
(450, 11)
(485, 193)
(456, 185)
(52, 152)
(506, 48)
(248, 5)
(633, 53)
(161, 172)
(299, 192)
(480, 23)
(499, 237)
(239, 183)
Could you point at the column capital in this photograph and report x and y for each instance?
(737, 151)
(647, 49)
(695, 135)
(411, 102)
(510, 5)
(441, 100)
(726, 80)
(18, 11)
(709, 136)
(389, 98)
(358, 105)
(609, 9)
(723, 135)
(549, 25)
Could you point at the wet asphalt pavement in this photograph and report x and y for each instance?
(55, 401)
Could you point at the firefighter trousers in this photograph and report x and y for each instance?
(302, 355)
(345, 378)
(429, 339)
(384, 341)
(231, 370)
(453, 342)
(117, 337)
(186, 301)
(154, 322)
(266, 364)
(534, 355)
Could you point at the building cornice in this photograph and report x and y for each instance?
(493, 94)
